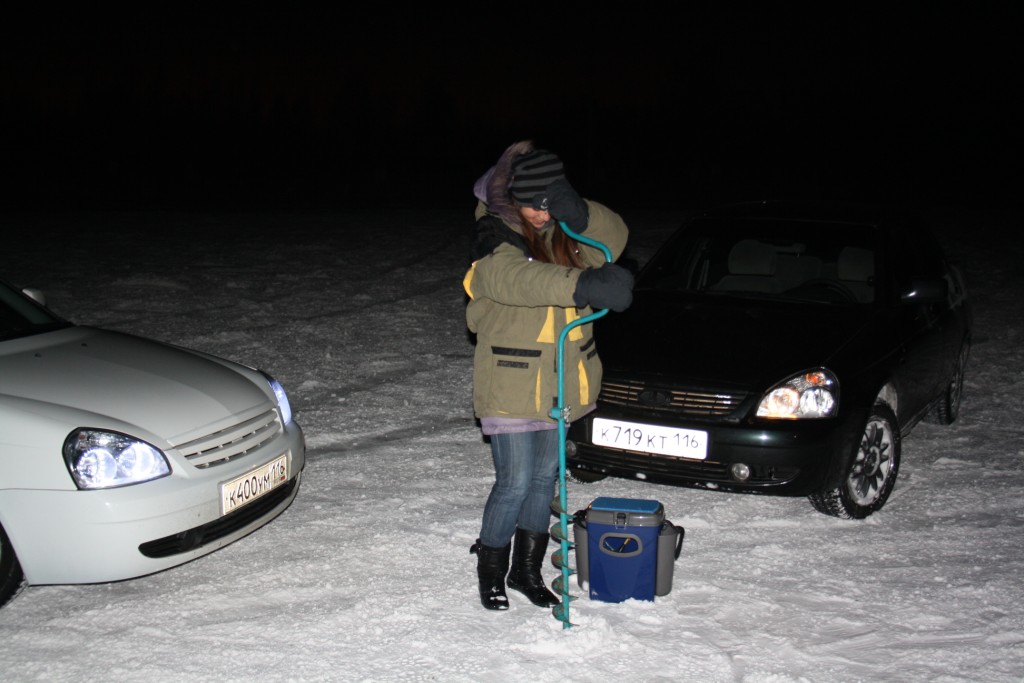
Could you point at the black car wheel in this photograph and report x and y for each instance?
(11, 578)
(871, 474)
(947, 408)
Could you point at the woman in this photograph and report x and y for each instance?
(529, 280)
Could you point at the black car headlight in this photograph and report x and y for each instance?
(99, 459)
(810, 395)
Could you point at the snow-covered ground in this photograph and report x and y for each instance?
(368, 576)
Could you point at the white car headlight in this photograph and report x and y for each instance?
(99, 460)
(809, 395)
(282, 398)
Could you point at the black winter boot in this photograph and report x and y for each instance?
(491, 567)
(527, 559)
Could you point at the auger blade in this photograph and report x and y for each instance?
(557, 507)
(562, 562)
(558, 585)
(556, 533)
(561, 612)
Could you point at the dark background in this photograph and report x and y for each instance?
(407, 106)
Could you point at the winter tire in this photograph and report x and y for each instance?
(871, 474)
(12, 579)
(945, 410)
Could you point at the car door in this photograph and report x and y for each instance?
(926, 324)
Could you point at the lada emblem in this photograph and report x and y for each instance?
(654, 397)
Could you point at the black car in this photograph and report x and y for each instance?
(780, 348)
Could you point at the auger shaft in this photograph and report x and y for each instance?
(561, 414)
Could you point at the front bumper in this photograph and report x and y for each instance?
(784, 458)
(109, 535)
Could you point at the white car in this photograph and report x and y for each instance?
(122, 456)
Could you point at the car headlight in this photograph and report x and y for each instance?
(809, 395)
(282, 398)
(100, 460)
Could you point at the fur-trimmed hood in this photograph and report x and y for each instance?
(492, 187)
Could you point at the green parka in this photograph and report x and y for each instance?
(518, 308)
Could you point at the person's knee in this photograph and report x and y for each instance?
(512, 488)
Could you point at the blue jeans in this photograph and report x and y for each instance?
(525, 469)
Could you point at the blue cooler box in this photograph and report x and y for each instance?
(617, 549)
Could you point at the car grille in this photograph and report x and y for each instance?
(655, 396)
(199, 536)
(227, 444)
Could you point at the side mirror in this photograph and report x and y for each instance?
(925, 292)
(35, 294)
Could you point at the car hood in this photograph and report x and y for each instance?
(123, 381)
(730, 341)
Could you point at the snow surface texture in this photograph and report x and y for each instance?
(368, 576)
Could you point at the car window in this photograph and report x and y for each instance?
(796, 260)
(20, 316)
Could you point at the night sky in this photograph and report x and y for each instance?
(350, 108)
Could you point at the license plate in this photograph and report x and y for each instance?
(245, 489)
(644, 438)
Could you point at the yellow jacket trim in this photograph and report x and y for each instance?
(576, 333)
(584, 384)
(467, 282)
(547, 330)
(536, 393)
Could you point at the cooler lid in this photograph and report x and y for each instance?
(636, 505)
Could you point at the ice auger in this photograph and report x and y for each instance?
(561, 413)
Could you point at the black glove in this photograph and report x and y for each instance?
(562, 202)
(609, 286)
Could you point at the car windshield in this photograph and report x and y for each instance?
(21, 317)
(769, 259)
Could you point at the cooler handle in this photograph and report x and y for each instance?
(679, 537)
